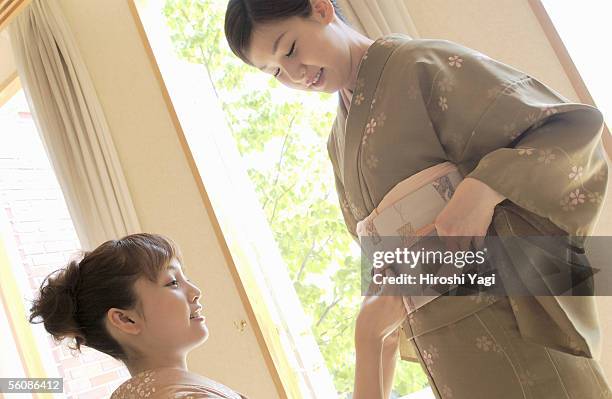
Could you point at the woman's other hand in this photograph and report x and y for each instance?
(376, 339)
(382, 311)
(467, 215)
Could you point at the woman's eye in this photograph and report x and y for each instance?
(277, 72)
(291, 51)
(173, 282)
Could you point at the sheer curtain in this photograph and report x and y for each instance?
(72, 124)
(376, 18)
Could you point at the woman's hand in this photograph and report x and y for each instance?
(382, 312)
(388, 360)
(467, 215)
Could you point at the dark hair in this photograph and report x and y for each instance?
(73, 301)
(242, 16)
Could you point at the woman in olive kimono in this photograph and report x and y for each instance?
(532, 163)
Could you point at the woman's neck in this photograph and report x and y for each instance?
(358, 45)
(136, 366)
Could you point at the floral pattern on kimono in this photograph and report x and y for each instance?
(172, 383)
(442, 101)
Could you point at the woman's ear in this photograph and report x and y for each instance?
(125, 321)
(323, 10)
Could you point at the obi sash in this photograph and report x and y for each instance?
(409, 210)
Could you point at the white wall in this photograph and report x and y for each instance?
(509, 31)
(163, 188)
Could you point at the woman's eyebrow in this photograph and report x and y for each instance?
(274, 48)
(175, 268)
(183, 269)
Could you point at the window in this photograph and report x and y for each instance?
(37, 237)
(585, 30)
(261, 151)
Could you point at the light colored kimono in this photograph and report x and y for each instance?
(419, 103)
(172, 383)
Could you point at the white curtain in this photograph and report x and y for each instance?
(376, 18)
(71, 122)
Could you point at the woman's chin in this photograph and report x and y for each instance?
(203, 336)
(200, 325)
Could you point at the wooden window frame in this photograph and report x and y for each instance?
(283, 376)
(9, 9)
(9, 88)
(10, 291)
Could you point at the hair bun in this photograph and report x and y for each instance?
(56, 304)
(74, 302)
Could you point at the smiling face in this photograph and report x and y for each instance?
(170, 310)
(309, 54)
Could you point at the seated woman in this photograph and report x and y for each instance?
(130, 299)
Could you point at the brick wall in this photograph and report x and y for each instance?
(32, 202)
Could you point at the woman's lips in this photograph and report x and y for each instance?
(321, 79)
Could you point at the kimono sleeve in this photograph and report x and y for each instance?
(521, 138)
(349, 219)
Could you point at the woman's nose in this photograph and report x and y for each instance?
(296, 72)
(195, 293)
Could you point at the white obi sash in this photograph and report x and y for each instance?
(409, 211)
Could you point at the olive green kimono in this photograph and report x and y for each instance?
(421, 102)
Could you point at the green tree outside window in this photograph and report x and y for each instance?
(296, 188)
